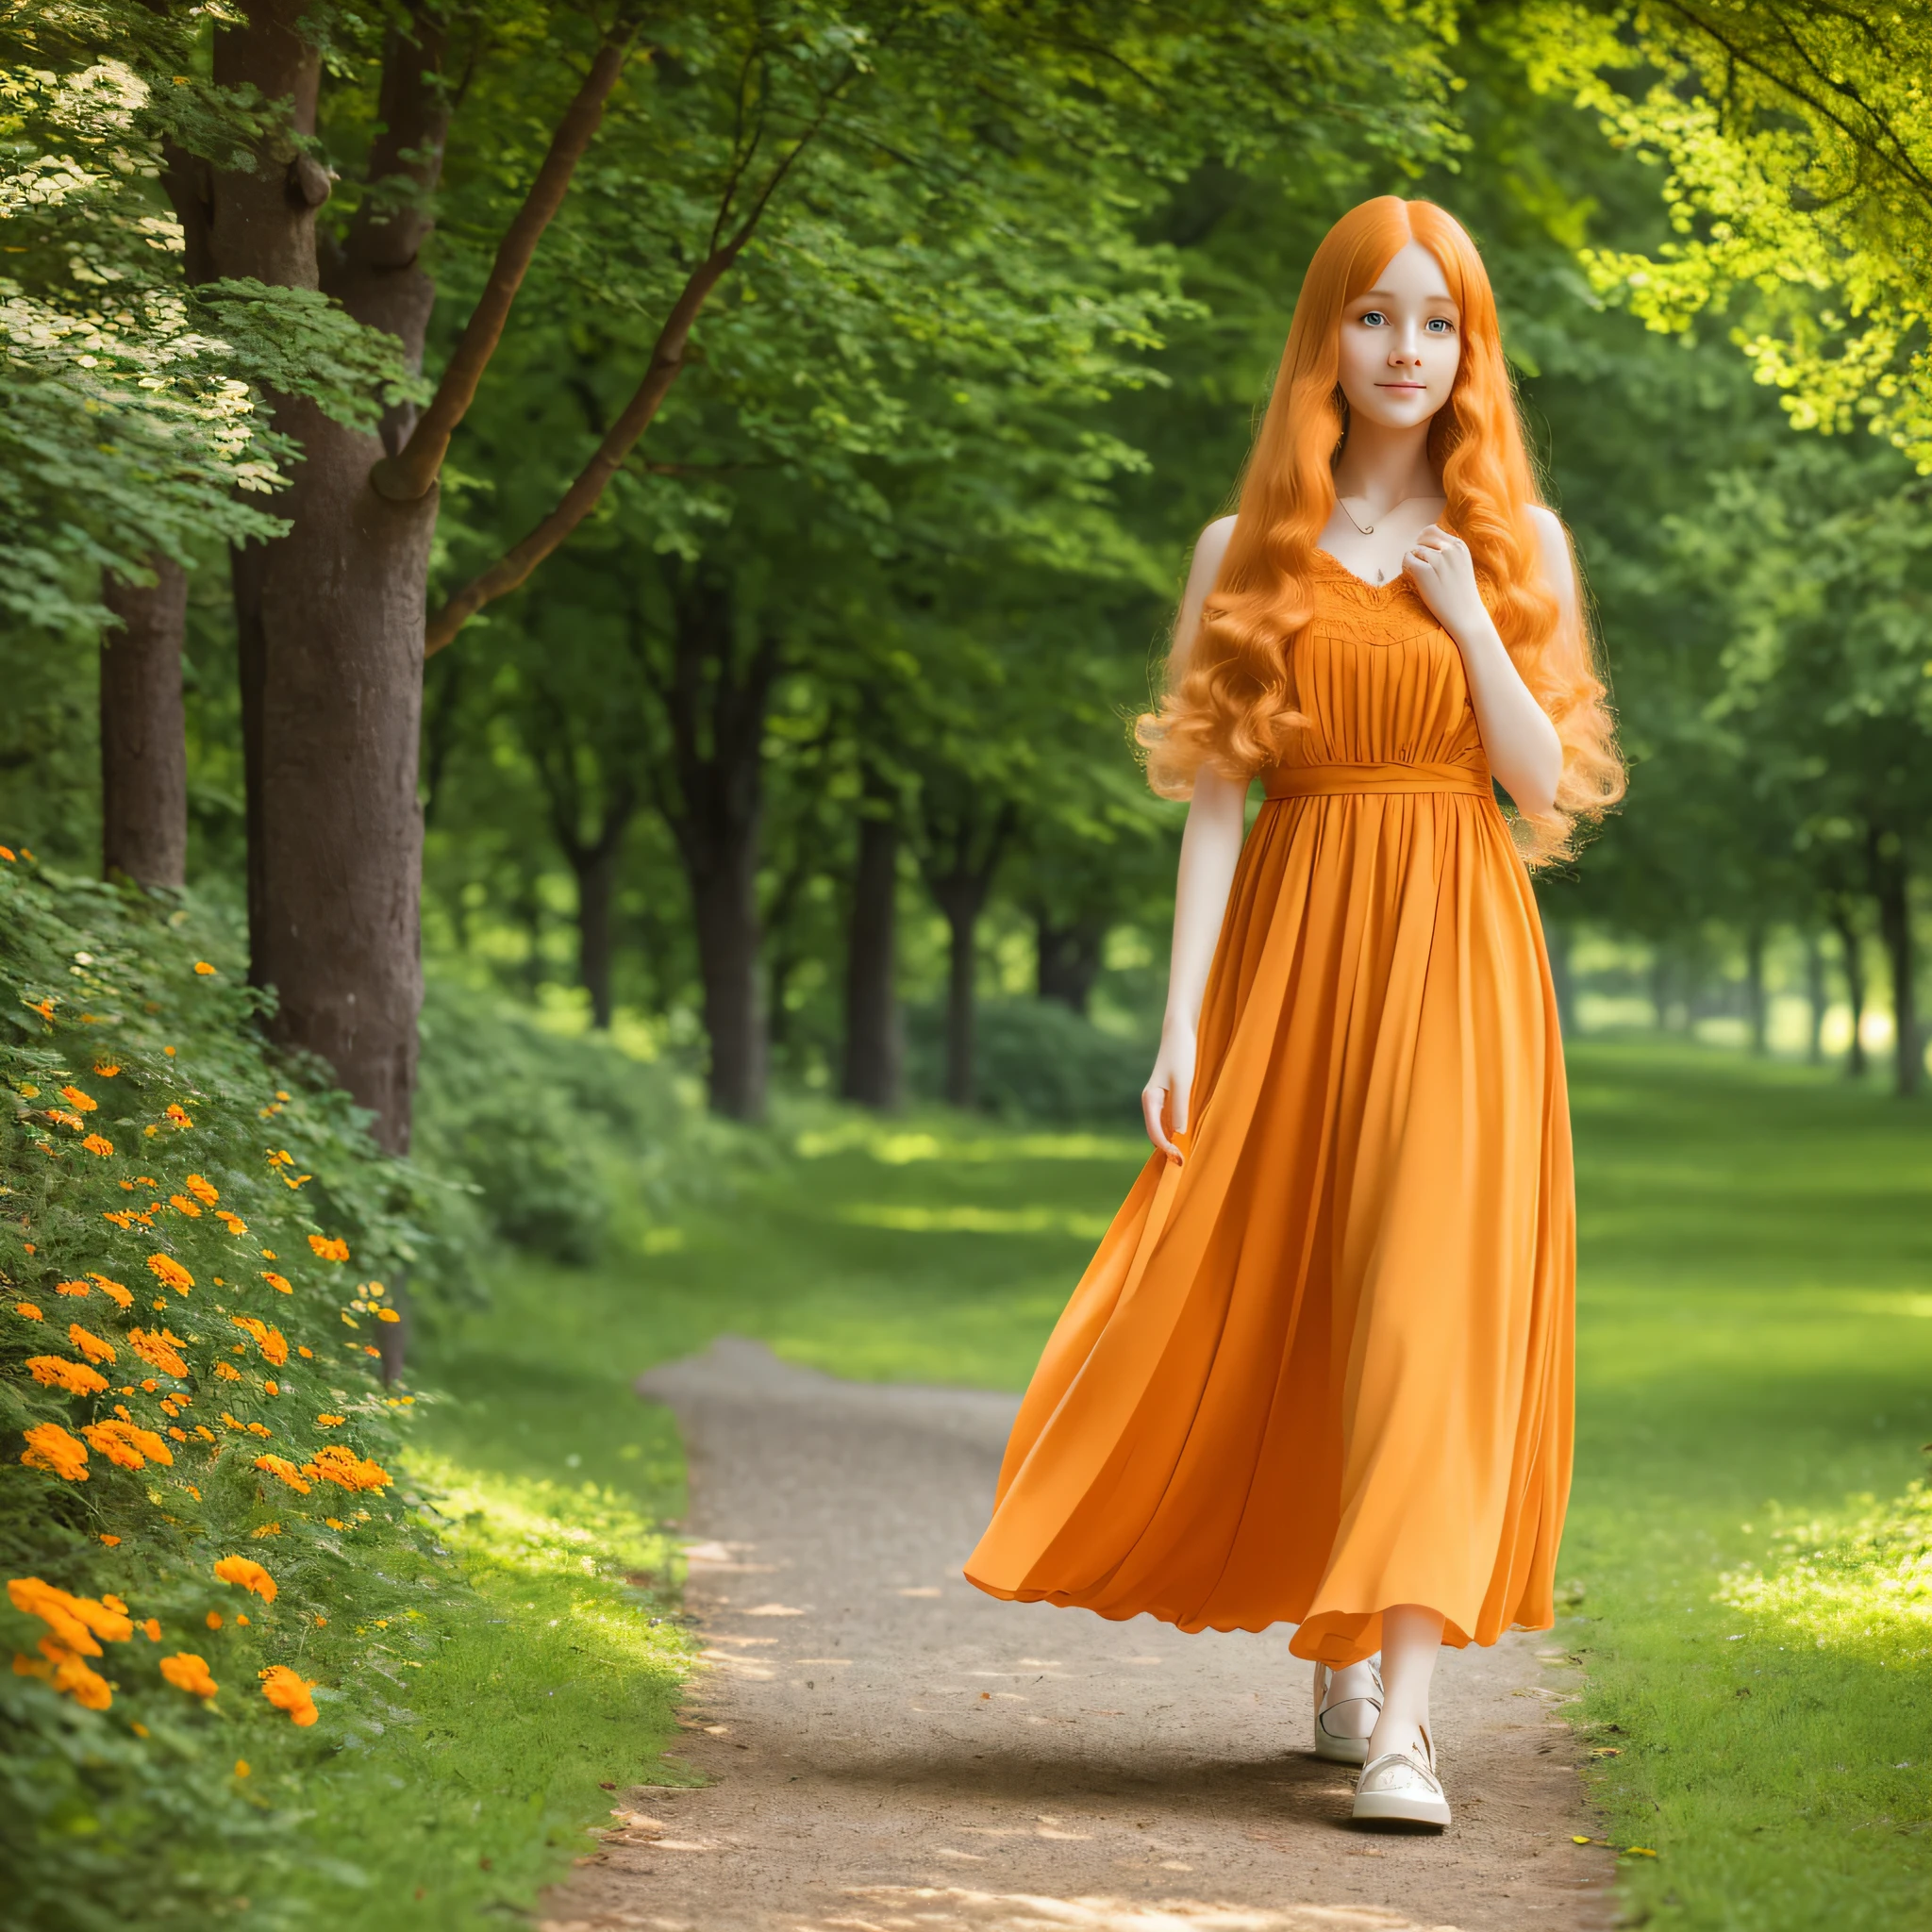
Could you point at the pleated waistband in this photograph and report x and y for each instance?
(1325, 781)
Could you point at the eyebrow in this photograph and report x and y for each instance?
(1442, 295)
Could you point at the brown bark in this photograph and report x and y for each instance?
(412, 471)
(330, 627)
(963, 853)
(593, 864)
(715, 697)
(1890, 875)
(1068, 954)
(874, 1052)
(143, 752)
(1852, 963)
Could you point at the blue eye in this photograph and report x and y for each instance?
(1375, 318)
(1438, 325)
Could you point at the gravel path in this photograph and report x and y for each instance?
(890, 1750)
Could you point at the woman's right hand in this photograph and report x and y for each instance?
(1168, 1087)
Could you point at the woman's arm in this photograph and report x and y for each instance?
(1210, 847)
(1524, 750)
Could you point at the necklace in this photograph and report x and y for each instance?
(1367, 529)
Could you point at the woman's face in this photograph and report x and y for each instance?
(1400, 344)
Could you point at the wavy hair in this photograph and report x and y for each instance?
(1229, 697)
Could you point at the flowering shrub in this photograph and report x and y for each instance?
(194, 1242)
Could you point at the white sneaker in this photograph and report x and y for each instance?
(1401, 1789)
(1339, 1747)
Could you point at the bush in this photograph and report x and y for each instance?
(547, 1130)
(1038, 1059)
(207, 1560)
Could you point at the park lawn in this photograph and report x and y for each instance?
(1756, 1351)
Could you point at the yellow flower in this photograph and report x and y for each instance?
(50, 1447)
(82, 1103)
(57, 1372)
(189, 1672)
(170, 1273)
(96, 1144)
(286, 1692)
(330, 1248)
(89, 1344)
(201, 967)
(246, 1574)
(241, 1767)
(387, 1315)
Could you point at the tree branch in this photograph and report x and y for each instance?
(412, 472)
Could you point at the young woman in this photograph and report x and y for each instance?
(1318, 1372)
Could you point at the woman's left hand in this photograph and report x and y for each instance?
(1442, 569)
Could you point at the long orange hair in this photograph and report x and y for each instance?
(1229, 700)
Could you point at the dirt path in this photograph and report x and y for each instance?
(890, 1750)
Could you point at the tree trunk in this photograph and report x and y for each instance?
(1754, 989)
(875, 1051)
(1852, 962)
(596, 874)
(144, 749)
(1068, 960)
(1892, 889)
(962, 905)
(1815, 997)
(715, 698)
(330, 618)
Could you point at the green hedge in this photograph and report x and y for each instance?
(198, 1246)
(1038, 1061)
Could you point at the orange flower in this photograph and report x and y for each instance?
(95, 1143)
(151, 1629)
(158, 1350)
(89, 1344)
(66, 1671)
(233, 1222)
(113, 1543)
(107, 1072)
(284, 1471)
(179, 1116)
(338, 1464)
(127, 1445)
(170, 1273)
(74, 1621)
(307, 1353)
(268, 1340)
(387, 1315)
(182, 1205)
(207, 1434)
(227, 1371)
(266, 1529)
(27, 1312)
(50, 1447)
(201, 967)
(270, 1387)
(57, 1372)
(286, 1692)
(246, 1574)
(278, 1282)
(189, 1672)
(296, 1180)
(113, 1291)
(331, 1422)
(260, 1429)
(203, 1189)
(280, 1157)
(78, 1289)
(84, 1103)
(120, 1217)
(330, 1248)
(214, 1620)
(66, 1119)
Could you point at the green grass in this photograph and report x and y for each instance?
(1756, 1355)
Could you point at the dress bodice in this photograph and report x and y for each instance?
(1378, 678)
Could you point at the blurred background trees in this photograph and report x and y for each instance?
(784, 429)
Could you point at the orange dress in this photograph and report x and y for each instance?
(1324, 1365)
